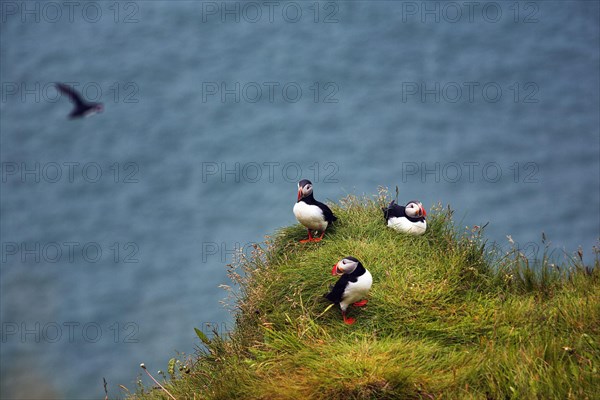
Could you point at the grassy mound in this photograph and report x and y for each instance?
(447, 318)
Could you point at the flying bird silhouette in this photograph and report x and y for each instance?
(82, 108)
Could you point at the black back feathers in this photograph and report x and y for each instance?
(336, 294)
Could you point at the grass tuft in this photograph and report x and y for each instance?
(447, 318)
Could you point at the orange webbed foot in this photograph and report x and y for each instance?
(361, 303)
(310, 238)
(348, 320)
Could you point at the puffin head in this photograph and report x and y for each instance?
(304, 188)
(415, 209)
(346, 265)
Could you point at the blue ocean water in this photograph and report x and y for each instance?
(116, 229)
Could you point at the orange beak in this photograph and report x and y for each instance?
(334, 270)
(299, 193)
(423, 212)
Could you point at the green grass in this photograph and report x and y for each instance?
(446, 319)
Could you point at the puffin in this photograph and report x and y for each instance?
(313, 214)
(82, 108)
(352, 287)
(409, 219)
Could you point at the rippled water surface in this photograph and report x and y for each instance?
(114, 249)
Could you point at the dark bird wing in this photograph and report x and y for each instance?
(393, 211)
(337, 292)
(73, 95)
(327, 213)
